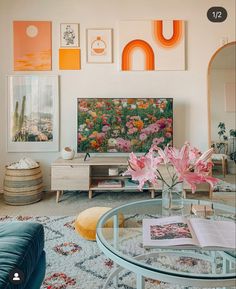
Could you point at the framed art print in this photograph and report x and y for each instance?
(32, 45)
(33, 113)
(99, 45)
(69, 35)
(149, 45)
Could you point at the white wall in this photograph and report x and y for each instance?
(188, 88)
(218, 114)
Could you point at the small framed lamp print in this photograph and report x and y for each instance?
(99, 45)
(69, 35)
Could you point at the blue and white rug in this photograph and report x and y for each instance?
(74, 263)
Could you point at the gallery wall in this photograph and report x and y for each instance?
(188, 88)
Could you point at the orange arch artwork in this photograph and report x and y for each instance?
(129, 50)
(176, 35)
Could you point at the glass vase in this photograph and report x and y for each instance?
(173, 197)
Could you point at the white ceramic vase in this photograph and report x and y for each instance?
(67, 153)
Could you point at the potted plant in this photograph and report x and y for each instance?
(232, 144)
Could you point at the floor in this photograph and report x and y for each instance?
(73, 203)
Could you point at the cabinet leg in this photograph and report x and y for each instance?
(210, 193)
(90, 194)
(152, 194)
(58, 196)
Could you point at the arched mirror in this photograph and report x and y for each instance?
(222, 111)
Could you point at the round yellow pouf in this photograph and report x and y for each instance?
(87, 220)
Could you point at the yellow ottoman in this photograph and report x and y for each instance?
(87, 220)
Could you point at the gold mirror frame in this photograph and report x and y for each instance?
(209, 90)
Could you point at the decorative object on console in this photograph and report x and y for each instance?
(159, 51)
(187, 164)
(23, 182)
(33, 113)
(32, 45)
(67, 153)
(69, 59)
(99, 45)
(110, 184)
(113, 171)
(124, 124)
(69, 35)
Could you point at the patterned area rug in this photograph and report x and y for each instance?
(74, 263)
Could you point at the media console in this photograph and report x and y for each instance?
(84, 175)
(78, 174)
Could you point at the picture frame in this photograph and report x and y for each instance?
(69, 35)
(32, 45)
(99, 45)
(33, 113)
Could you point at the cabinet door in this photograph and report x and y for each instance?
(70, 178)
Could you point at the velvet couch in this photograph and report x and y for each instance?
(22, 248)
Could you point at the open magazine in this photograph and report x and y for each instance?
(188, 233)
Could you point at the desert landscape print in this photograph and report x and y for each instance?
(32, 45)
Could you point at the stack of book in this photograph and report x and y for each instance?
(110, 184)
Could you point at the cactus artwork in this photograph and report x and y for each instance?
(34, 127)
(32, 113)
(31, 121)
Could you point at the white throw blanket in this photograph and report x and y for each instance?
(24, 163)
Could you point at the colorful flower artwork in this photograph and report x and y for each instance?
(170, 231)
(124, 124)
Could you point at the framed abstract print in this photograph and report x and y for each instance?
(33, 113)
(99, 45)
(32, 45)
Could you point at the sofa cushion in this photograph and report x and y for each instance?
(21, 245)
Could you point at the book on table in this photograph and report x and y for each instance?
(110, 183)
(189, 233)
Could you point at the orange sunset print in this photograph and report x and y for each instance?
(32, 45)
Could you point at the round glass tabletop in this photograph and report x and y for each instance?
(123, 243)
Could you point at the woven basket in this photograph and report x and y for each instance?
(23, 186)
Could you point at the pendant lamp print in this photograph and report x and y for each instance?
(152, 45)
(32, 45)
(99, 45)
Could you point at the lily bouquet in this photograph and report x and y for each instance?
(187, 164)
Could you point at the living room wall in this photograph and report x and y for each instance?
(188, 88)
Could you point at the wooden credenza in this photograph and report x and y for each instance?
(81, 175)
(78, 174)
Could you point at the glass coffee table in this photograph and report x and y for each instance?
(123, 245)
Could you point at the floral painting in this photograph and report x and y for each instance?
(170, 231)
(124, 124)
(33, 112)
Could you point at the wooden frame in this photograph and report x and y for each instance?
(33, 113)
(99, 45)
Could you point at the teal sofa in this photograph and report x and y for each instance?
(22, 248)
